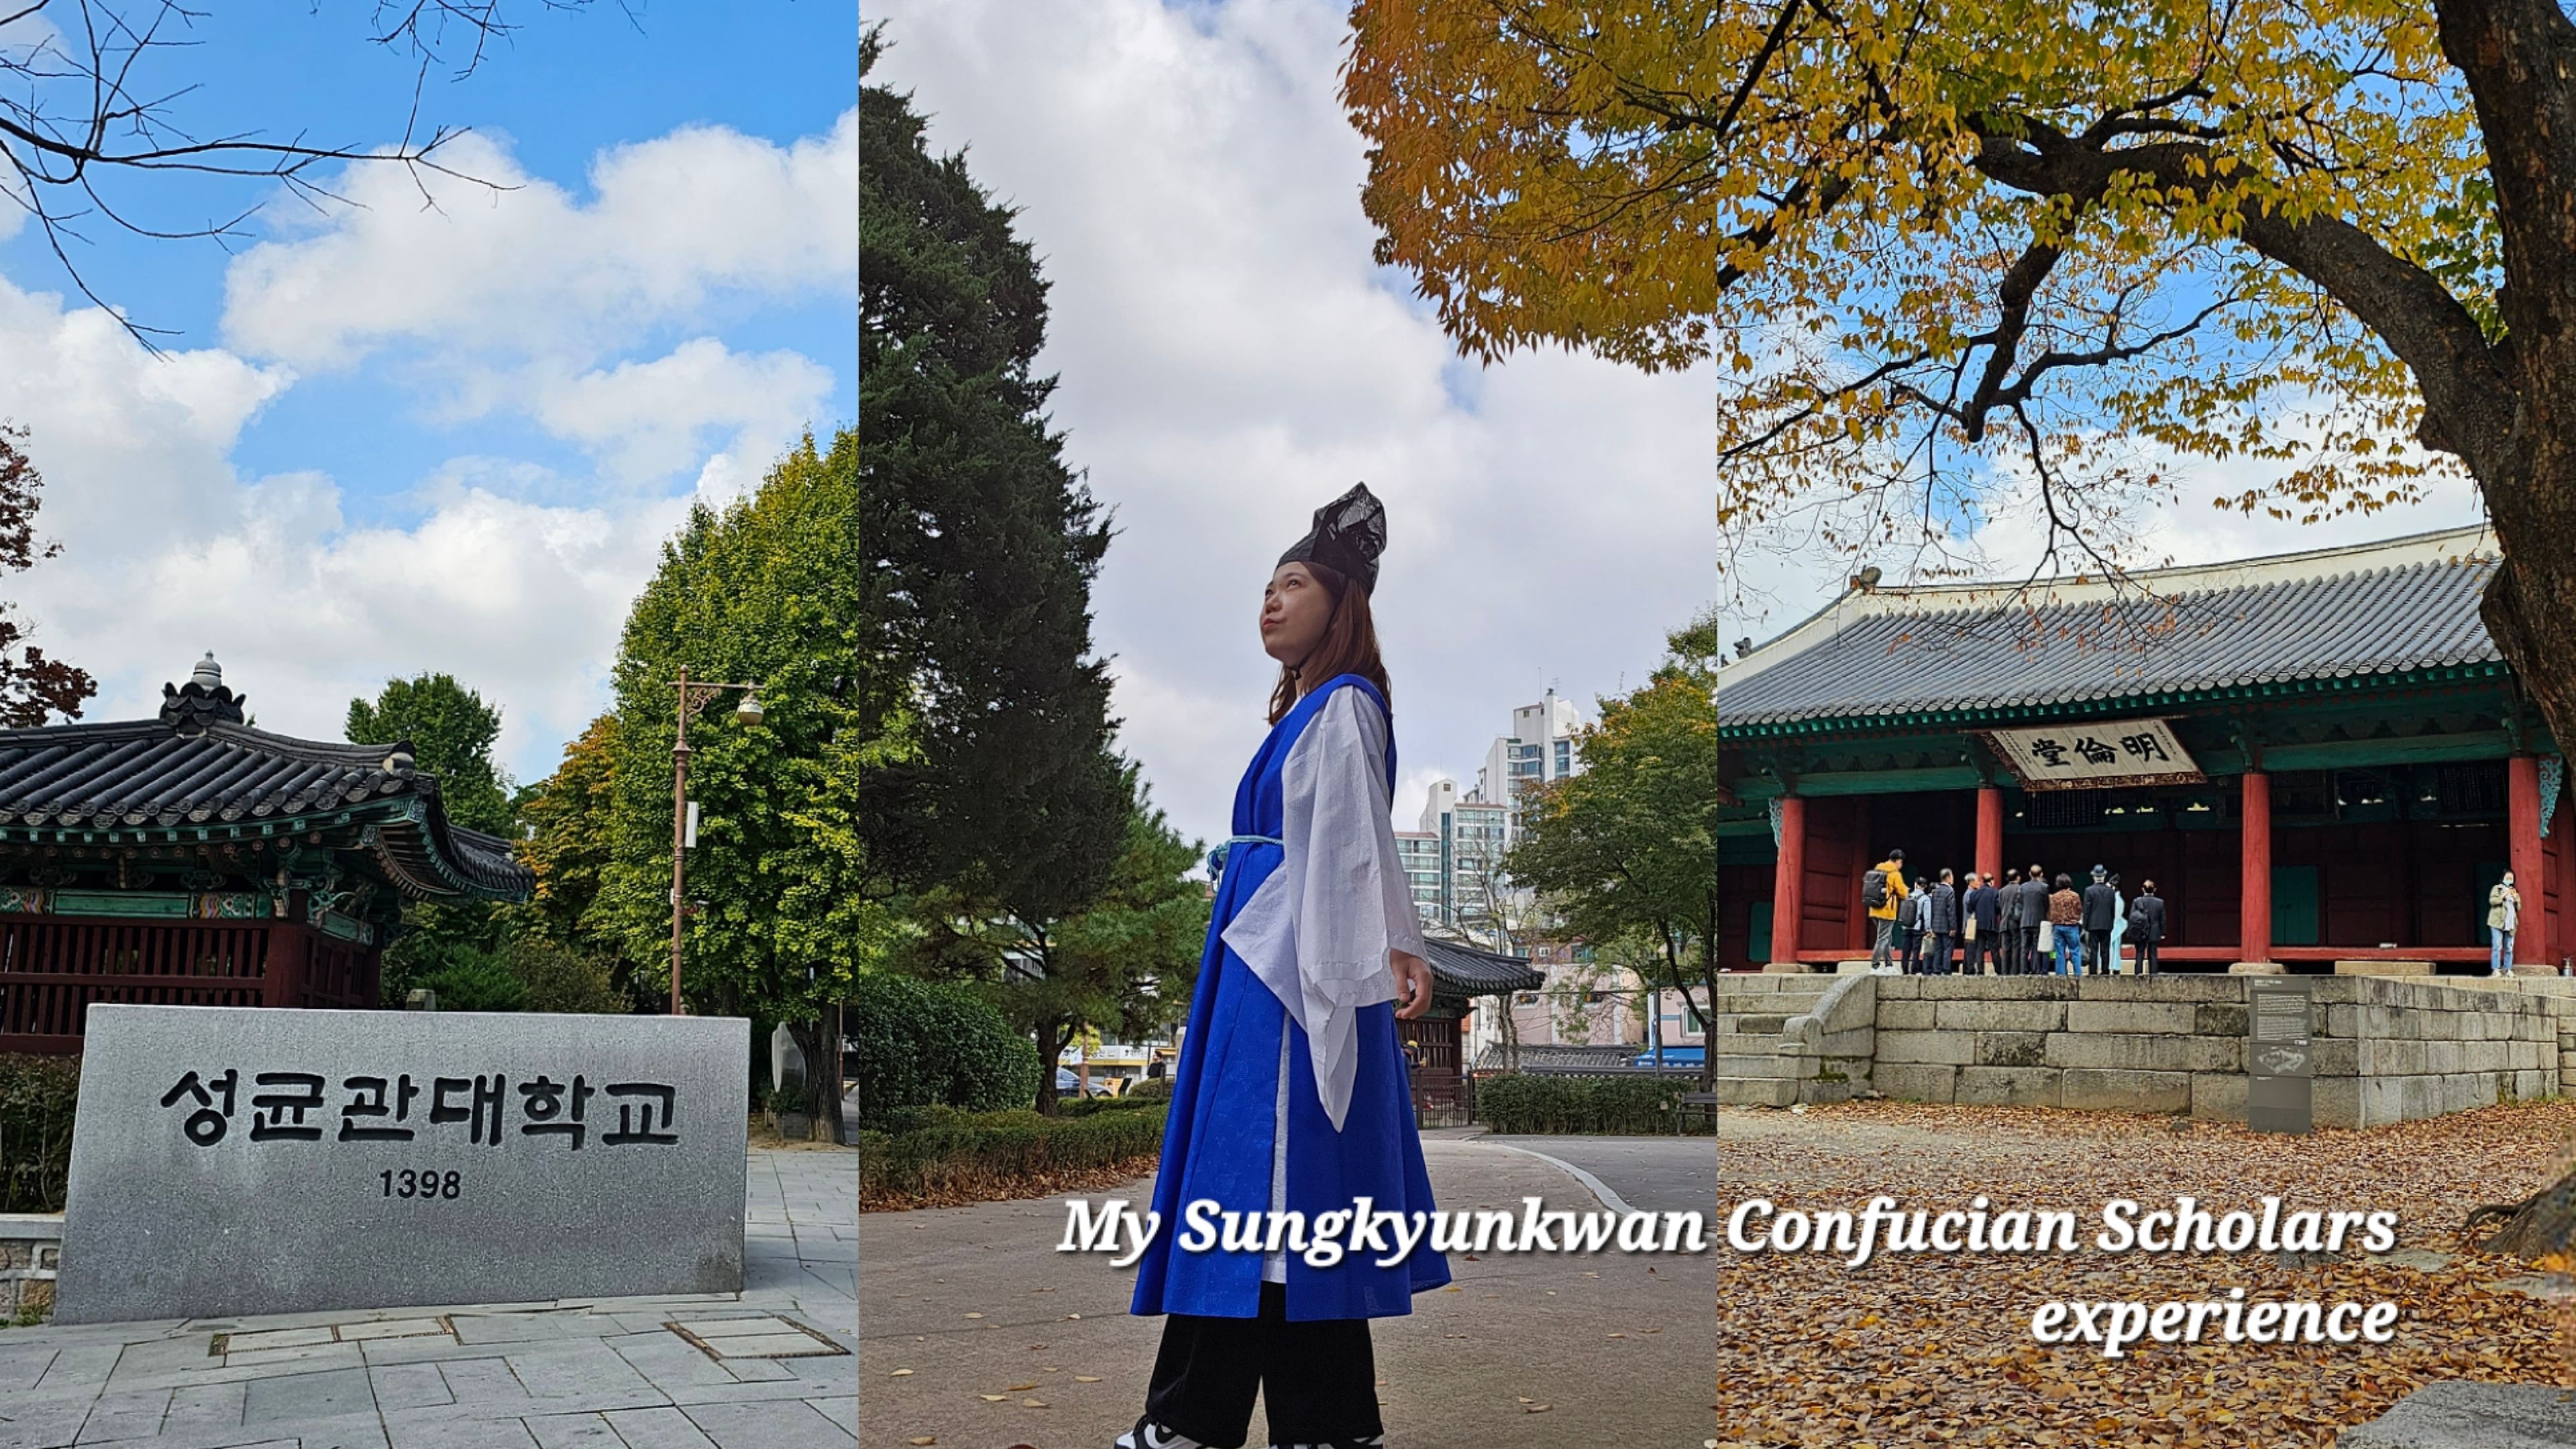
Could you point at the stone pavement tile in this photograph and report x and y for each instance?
(299, 1397)
(80, 1370)
(768, 1426)
(271, 1362)
(772, 1345)
(278, 1338)
(573, 1431)
(658, 1429)
(124, 1416)
(472, 1328)
(463, 1434)
(843, 1411)
(758, 1371)
(367, 1433)
(839, 1371)
(21, 1365)
(408, 1386)
(165, 1364)
(380, 1351)
(582, 1370)
(40, 1423)
(390, 1328)
(482, 1381)
(667, 1363)
(737, 1327)
(198, 1408)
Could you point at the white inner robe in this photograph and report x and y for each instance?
(1318, 930)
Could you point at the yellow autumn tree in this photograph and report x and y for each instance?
(1949, 259)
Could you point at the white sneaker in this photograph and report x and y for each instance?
(1149, 1435)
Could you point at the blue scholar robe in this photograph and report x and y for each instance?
(1219, 1140)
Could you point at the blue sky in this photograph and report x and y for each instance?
(383, 439)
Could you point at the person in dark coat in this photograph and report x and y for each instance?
(2008, 914)
(2101, 908)
(1909, 925)
(1983, 908)
(2034, 920)
(1940, 925)
(2147, 925)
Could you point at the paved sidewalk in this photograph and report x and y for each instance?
(768, 1368)
(979, 1335)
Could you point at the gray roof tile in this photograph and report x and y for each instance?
(2367, 621)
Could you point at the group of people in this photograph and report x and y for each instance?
(2008, 926)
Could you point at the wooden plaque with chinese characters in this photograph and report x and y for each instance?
(233, 1160)
(2096, 755)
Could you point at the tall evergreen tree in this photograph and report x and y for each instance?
(981, 546)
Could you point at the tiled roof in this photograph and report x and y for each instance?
(1465, 971)
(2396, 609)
(198, 764)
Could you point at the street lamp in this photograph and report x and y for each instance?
(695, 695)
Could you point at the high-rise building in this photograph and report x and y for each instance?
(1540, 749)
(1467, 839)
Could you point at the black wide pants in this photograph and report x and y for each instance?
(1317, 1379)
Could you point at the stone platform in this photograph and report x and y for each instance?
(2388, 1049)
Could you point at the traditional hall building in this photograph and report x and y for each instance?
(191, 859)
(2317, 757)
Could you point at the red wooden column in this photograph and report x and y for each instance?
(2522, 853)
(1789, 881)
(2254, 908)
(1990, 833)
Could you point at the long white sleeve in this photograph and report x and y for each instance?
(1318, 930)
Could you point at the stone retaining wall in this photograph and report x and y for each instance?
(31, 1248)
(2388, 1050)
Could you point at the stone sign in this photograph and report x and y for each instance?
(230, 1160)
(2280, 1055)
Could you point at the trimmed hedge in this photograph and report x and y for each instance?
(1525, 1102)
(37, 1098)
(990, 1154)
(925, 1043)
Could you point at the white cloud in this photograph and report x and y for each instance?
(645, 419)
(168, 551)
(534, 270)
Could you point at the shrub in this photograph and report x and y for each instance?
(928, 1043)
(1522, 1102)
(991, 1154)
(1152, 1089)
(477, 981)
(37, 1098)
(559, 978)
(1092, 1106)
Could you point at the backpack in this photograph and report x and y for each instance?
(1873, 889)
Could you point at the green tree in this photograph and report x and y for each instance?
(1123, 961)
(1629, 847)
(783, 913)
(569, 815)
(979, 549)
(451, 731)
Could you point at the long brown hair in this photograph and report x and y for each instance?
(1349, 646)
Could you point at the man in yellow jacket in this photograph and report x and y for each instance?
(1882, 888)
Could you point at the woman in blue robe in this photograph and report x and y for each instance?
(1292, 1093)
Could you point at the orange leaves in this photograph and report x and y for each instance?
(1923, 1351)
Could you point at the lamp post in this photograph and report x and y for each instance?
(695, 695)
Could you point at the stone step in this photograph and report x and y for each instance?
(1756, 1091)
(1758, 1064)
(1749, 1024)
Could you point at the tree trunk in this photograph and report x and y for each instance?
(1054, 1034)
(820, 1041)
